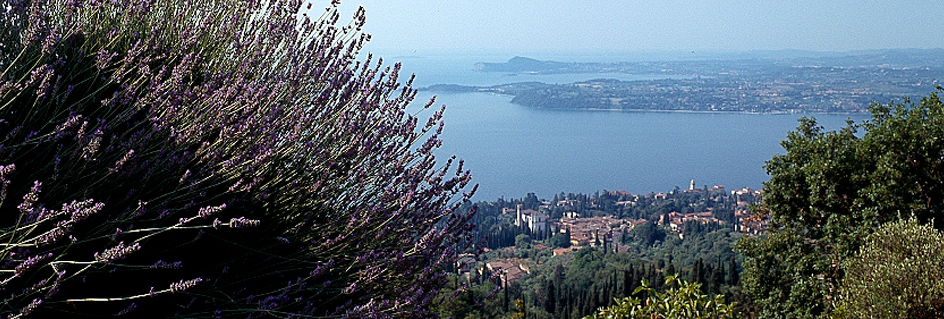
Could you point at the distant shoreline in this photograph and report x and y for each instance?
(697, 111)
(652, 110)
(826, 85)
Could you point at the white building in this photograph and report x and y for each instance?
(535, 221)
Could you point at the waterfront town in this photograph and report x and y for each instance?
(607, 222)
(762, 85)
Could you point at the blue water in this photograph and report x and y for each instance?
(514, 150)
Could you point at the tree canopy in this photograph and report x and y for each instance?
(830, 190)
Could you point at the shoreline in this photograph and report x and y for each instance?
(696, 111)
(865, 113)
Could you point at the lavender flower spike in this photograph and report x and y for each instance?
(30, 263)
(81, 210)
(29, 308)
(183, 285)
(160, 264)
(210, 210)
(30, 198)
(7, 170)
(117, 252)
(243, 222)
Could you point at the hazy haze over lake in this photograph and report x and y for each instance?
(513, 150)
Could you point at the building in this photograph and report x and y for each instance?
(535, 221)
(509, 272)
(746, 195)
(464, 263)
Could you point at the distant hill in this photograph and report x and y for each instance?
(708, 64)
(521, 64)
(455, 88)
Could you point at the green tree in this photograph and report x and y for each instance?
(647, 233)
(898, 270)
(831, 190)
(560, 240)
(523, 241)
(684, 301)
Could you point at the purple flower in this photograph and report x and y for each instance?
(30, 263)
(123, 160)
(183, 285)
(128, 310)
(61, 230)
(242, 222)
(205, 212)
(26, 207)
(7, 170)
(160, 264)
(32, 306)
(115, 253)
(81, 210)
(249, 106)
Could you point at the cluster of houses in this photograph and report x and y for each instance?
(674, 220)
(597, 230)
(749, 223)
(607, 231)
(508, 270)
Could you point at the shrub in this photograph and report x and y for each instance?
(684, 301)
(214, 158)
(898, 271)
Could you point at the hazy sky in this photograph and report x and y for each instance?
(648, 25)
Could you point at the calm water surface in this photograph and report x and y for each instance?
(514, 150)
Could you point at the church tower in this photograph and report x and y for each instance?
(518, 217)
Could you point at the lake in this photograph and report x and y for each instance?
(514, 150)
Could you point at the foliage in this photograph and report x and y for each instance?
(897, 271)
(523, 241)
(646, 234)
(560, 240)
(213, 159)
(831, 190)
(465, 299)
(686, 301)
(573, 285)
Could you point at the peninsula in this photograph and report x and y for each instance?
(829, 84)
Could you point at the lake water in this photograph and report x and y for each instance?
(514, 150)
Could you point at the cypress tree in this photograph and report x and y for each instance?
(733, 276)
(551, 302)
(717, 279)
(627, 281)
(698, 271)
(670, 268)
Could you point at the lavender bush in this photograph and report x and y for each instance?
(214, 158)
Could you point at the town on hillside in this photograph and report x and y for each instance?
(612, 221)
